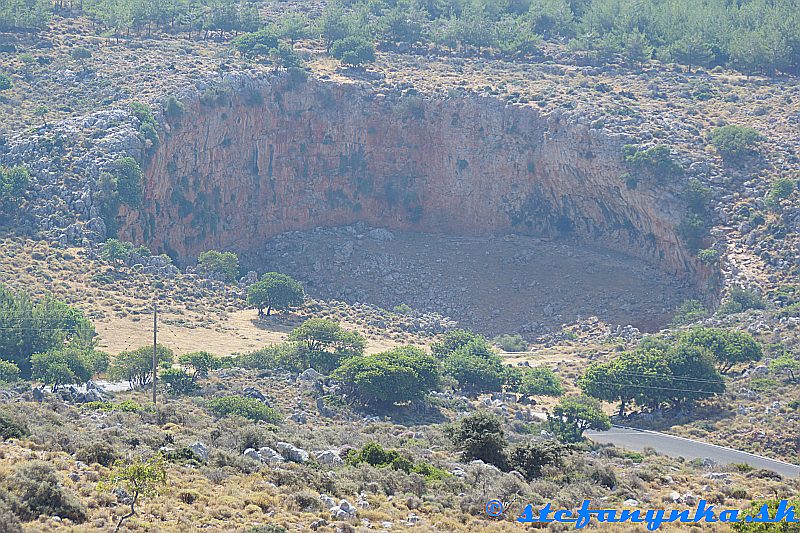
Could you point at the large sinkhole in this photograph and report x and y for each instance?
(500, 217)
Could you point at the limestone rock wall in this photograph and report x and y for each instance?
(267, 156)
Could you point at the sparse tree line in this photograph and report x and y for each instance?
(754, 36)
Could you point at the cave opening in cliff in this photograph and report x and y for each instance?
(500, 217)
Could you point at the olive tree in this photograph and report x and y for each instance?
(275, 291)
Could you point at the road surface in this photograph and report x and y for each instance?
(638, 439)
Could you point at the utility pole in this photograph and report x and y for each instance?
(155, 347)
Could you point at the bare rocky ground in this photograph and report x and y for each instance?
(508, 284)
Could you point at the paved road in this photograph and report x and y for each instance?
(637, 439)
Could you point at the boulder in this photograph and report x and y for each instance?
(292, 453)
(270, 456)
(200, 449)
(329, 458)
(252, 454)
(310, 375)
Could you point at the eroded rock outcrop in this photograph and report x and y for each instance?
(260, 157)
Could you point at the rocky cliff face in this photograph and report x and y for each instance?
(245, 163)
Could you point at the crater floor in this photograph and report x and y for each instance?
(495, 285)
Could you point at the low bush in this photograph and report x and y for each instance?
(735, 142)
(100, 452)
(740, 300)
(688, 312)
(11, 427)
(35, 490)
(9, 372)
(511, 343)
(242, 406)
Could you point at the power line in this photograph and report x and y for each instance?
(653, 387)
(670, 377)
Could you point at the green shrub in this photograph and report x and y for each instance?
(11, 523)
(688, 312)
(452, 340)
(692, 231)
(12, 427)
(67, 326)
(402, 309)
(353, 51)
(656, 161)
(173, 107)
(71, 365)
(126, 406)
(529, 458)
(540, 381)
(708, 256)
(476, 367)
(763, 384)
(259, 43)
(287, 355)
(128, 180)
(382, 380)
(9, 372)
(97, 452)
(480, 436)
(183, 456)
(148, 126)
(511, 343)
(740, 300)
(269, 528)
(242, 406)
(5, 82)
(178, 382)
(780, 189)
(792, 310)
(36, 490)
(14, 181)
(214, 262)
(734, 142)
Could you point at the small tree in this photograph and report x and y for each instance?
(200, 362)
(60, 367)
(136, 367)
(735, 142)
(480, 436)
(81, 54)
(476, 367)
(353, 51)
(140, 479)
(727, 347)
(14, 181)
(129, 180)
(787, 363)
(275, 291)
(256, 43)
(178, 382)
(529, 458)
(5, 82)
(540, 381)
(222, 263)
(116, 251)
(9, 372)
(575, 414)
(243, 406)
(327, 343)
(41, 112)
(452, 340)
(382, 380)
